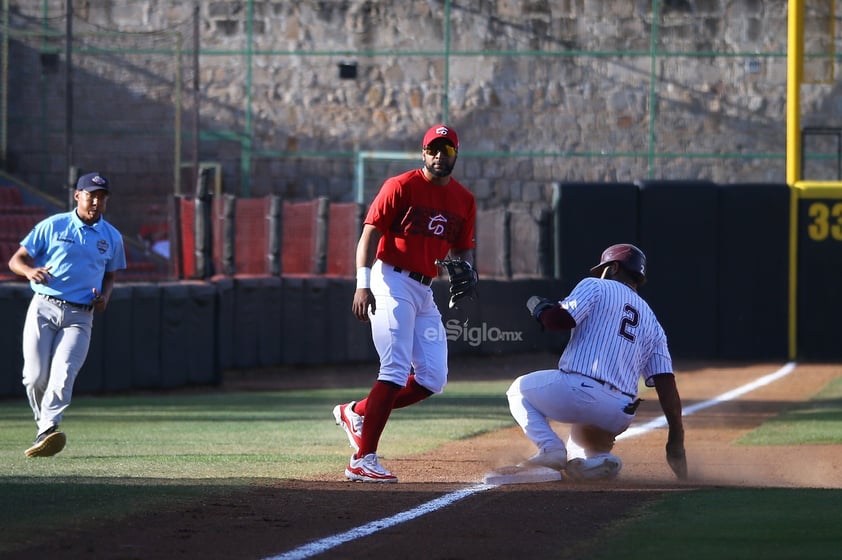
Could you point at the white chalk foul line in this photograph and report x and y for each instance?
(661, 421)
(323, 545)
(317, 547)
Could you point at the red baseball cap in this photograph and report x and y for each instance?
(441, 131)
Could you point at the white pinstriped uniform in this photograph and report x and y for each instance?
(617, 340)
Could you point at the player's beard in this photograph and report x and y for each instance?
(443, 169)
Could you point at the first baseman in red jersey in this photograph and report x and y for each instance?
(416, 218)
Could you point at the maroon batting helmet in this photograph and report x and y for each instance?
(630, 257)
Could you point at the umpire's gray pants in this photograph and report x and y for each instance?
(56, 339)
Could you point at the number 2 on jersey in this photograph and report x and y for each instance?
(631, 318)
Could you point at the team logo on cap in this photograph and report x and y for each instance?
(97, 180)
(442, 131)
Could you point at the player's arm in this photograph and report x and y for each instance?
(466, 255)
(462, 246)
(100, 300)
(22, 264)
(366, 253)
(550, 314)
(670, 402)
(557, 319)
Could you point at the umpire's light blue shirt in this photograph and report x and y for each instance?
(79, 255)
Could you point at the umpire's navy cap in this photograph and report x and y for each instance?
(92, 182)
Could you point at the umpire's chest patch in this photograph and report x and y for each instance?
(102, 246)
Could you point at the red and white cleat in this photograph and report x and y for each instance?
(351, 422)
(368, 469)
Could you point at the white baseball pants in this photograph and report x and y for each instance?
(407, 330)
(570, 398)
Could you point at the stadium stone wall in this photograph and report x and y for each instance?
(540, 92)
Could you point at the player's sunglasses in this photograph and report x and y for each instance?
(446, 149)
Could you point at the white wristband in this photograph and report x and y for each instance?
(363, 277)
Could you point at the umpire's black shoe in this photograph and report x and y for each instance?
(48, 443)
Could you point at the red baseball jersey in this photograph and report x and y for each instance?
(421, 221)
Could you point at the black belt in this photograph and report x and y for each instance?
(426, 280)
(63, 303)
(609, 385)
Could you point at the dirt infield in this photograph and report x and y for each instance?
(530, 521)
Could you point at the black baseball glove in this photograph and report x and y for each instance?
(537, 304)
(463, 279)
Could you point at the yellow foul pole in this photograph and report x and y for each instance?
(795, 48)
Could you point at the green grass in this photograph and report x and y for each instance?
(243, 435)
(738, 523)
(144, 453)
(817, 421)
(732, 523)
(135, 454)
(78, 503)
(283, 435)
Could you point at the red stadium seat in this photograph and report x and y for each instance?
(300, 220)
(10, 196)
(7, 249)
(343, 233)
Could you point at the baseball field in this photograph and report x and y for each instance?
(254, 469)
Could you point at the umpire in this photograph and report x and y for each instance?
(70, 260)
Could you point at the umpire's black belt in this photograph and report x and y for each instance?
(426, 280)
(609, 385)
(62, 303)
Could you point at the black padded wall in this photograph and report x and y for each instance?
(252, 321)
(589, 218)
(14, 301)
(269, 349)
(752, 267)
(91, 378)
(188, 334)
(175, 336)
(348, 339)
(146, 336)
(226, 316)
(117, 349)
(497, 321)
(294, 341)
(204, 365)
(718, 281)
(678, 225)
(305, 318)
(819, 304)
